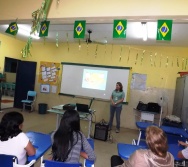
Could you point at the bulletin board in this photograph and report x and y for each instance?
(48, 73)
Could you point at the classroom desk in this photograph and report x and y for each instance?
(125, 150)
(167, 129)
(84, 116)
(42, 142)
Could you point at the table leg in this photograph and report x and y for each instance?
(58, 119)
(89, 127)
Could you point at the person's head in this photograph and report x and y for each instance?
(70, 121)
(119, 86)
(157, 141)
(64, 137)
(11, 125)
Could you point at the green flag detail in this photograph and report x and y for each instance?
(79, 29)
(119, 29)
(164, 30)
(12, 29)
(44, 29)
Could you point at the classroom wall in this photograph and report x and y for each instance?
(161, 64)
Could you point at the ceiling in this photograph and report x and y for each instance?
(102, 33)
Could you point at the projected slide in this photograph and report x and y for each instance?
(94, 79)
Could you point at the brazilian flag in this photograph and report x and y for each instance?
(79, 29)
(12, 29)
(164, 30)
(120, 27)
(44, 28)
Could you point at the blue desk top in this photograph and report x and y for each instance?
(125, 150)
(174, 130)
(42, 142)
(167, 129)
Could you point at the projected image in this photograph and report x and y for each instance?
(94, 79)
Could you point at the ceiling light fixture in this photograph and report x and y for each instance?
(144, 31)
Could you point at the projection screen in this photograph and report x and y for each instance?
(93, 81)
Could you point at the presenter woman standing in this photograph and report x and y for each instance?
(116, 100)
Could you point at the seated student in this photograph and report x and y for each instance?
(69, 141)
(183, 154)
(12, 140)
(155, 156)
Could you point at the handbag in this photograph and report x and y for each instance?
(142, 106)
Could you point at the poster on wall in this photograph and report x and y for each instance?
(48, 73)
(138, 81)
(45, 88)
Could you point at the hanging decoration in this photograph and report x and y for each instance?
(26, 50)
(40, 15)
(182, 63)
(160, 59)
(136, 59)
(177, 62)
(79, 29)
(96, 50)
(155, 58)
(68, 41)
(105, 51)
(12, 28)
(112, 50)
(120, 53)
(186, 63)
(167, 61)
(44, 28)
(57, 40)
(142, 58)
(151, 59)
(172, 61)
(128, 54)
(79, 45)
(120, 27)
(164, 30)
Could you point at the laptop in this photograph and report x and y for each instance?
(82, 107)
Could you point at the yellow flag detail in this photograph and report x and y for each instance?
(79, 29)
(164, 29)
(119, 28)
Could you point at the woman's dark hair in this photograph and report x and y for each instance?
(63, 137)
(9, 126)
(120, 85)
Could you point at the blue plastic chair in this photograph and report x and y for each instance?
(12, 161)
(48, 163)
(31, 97)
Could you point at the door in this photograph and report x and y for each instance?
(25, 81)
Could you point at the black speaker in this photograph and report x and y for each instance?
(101, 131)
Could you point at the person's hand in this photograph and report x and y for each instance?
(84, 155)
(182, 143)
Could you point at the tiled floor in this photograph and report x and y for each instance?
(104, 150)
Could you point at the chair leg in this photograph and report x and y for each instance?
(23, 106)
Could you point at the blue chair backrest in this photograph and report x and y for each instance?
(7, 160)
(31, 93)
(49, 163)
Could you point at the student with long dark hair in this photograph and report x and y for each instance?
(69, 141)
(116, 100)
(12, 140)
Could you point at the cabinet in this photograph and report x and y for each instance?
(149, 116)
(180, 106)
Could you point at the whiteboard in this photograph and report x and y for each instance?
(93, 81)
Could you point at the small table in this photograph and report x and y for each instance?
(84, 116)
(42, 142)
